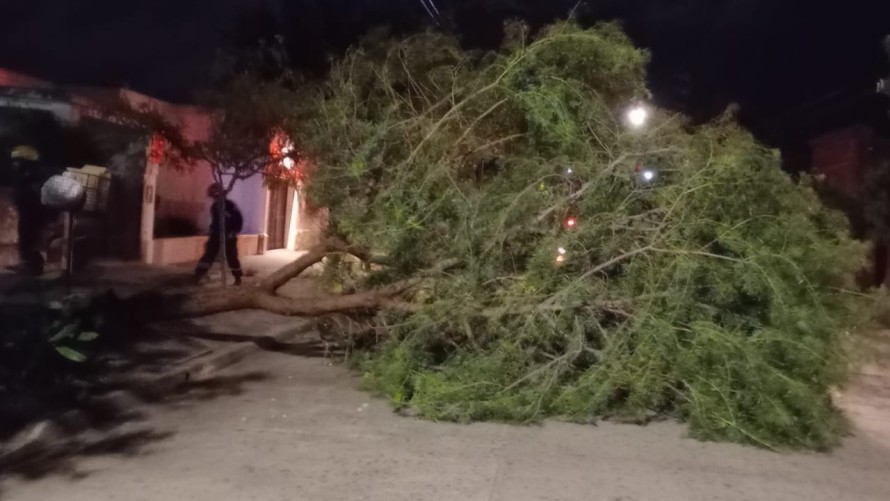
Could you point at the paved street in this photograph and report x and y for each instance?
(284, 427)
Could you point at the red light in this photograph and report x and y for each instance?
(571, 222)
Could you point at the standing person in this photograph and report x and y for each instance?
(233, 225)
(29, 175)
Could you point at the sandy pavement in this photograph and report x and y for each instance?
(280, 427)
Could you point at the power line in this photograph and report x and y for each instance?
(819, 100)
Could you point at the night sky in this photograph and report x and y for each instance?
(795, 67)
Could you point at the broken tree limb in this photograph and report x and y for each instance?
(154, 306)
(315, 255)
(290, 271)
(315, 306)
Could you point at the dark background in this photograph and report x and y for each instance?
(796, 68)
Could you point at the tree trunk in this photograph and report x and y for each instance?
(155, 306)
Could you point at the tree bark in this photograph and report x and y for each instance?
(154, 306)
(290, 271)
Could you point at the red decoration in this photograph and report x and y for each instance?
(279, 143)
(285, 165)
(156, 149)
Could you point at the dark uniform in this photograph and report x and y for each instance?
(234, 224)
(30, 174)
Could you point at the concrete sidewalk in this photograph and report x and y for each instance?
(282, 427)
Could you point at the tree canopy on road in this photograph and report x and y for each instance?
(531, 250)
(552, 259)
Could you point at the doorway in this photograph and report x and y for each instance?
(277, 228)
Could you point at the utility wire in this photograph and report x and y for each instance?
(431, 10)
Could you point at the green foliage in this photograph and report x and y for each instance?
(38, 339)
(69, 332)
(717, 292)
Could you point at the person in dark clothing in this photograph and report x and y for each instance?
(234, 222)
(30, 174)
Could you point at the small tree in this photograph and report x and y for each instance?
(246, 119)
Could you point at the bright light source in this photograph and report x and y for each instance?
(561, 251)
(571, 222)
(287, 161)
(637, 116)
(648, 175)
(560, 259)
(569, 171)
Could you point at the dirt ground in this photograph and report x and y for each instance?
(281, 427)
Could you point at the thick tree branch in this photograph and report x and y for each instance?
(330, 246)
(284, 274)
(153, 306)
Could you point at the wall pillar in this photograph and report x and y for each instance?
(147, 226)
(293, 222)
(263, 244)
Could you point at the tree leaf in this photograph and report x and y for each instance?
(71, 354)
(88, 336)
(66, 332)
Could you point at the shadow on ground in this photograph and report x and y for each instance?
(104, 425)
(54, 410)
(57, 410)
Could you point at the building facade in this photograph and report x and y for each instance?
(158, 213)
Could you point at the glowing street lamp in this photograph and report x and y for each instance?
(288, 162)
(637, 116)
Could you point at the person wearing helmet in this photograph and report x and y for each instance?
(29, 175)
(233, 224)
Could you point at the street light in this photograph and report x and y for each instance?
(637, 116)
(288, 162)
(560, 255)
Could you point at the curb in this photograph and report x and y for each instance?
(34, 438)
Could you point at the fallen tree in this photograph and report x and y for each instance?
(544, 256)
(262, 296)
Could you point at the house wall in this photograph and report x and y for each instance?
(250, 196)
(122, 151)
(190, 249)
(182, 193)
